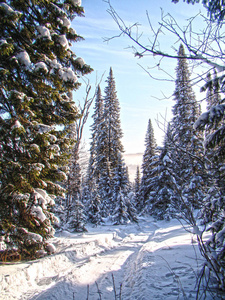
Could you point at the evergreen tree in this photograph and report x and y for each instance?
(148, 165)
(111, 115)
(77, 217)
(186, 143)
(38, 72)
(165, 183)
(105, 188)
(120, 215)
(121, 189)
(93, 169)
(95, 209)
(106, 146)
(137, 186)
(213, 210)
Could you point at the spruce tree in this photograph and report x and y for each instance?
(93, 168)
(38, 72)
(148, 165)
(213, 210)
(186, 143)
(95, 209)
(165, 183)
(106, 146)
(137, 186)
(77, 219)
(123, 206)
(120, 215)
(112, 122)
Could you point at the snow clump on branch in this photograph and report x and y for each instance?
(76, 2)
(24, 59)
(80, 61)
(44, 32)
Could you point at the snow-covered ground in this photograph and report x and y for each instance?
(151, 260)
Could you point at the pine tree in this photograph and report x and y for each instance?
(38, 72)
(148, 165)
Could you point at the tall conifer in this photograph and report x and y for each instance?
(149, 161)
(186, 143)
(38, 72)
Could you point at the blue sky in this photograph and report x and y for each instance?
(138, 94)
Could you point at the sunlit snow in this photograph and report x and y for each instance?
(150, 260)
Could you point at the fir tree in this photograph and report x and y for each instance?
(38, 72)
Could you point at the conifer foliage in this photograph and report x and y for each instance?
(213, 212)
(186, 144)
(148, 167)
(37, 72)
(107, 178)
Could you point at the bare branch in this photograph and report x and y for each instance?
(200, 45)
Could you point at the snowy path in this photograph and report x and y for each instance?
(151, 261)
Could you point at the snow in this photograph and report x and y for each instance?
(76, 2)
(50, 248)
(33, 237)
(80, 61)
(37, 212)
(17, 124)
(2, 42)
(35, 147)
(41, 66)
(8, 10)
(66, 22)
(24, 58)
(42, 128)
(67, 74)
(152, 260)
(63, 41)
(44, 32)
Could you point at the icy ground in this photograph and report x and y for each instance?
(151, 260)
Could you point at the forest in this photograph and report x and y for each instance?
(43, 188)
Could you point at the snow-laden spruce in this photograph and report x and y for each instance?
(38, 72)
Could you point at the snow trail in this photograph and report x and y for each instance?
(151, 260)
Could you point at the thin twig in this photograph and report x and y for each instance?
(98, 290)
(114, 286)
